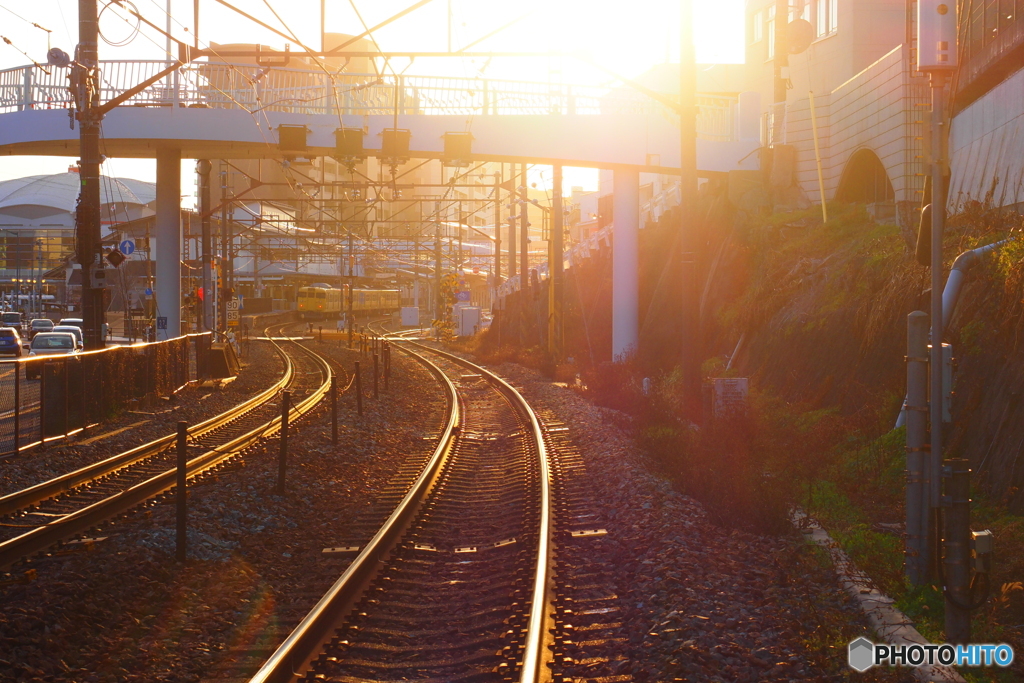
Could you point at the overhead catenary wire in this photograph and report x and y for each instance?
(27, 21)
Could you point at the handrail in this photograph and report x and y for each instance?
(257, 89)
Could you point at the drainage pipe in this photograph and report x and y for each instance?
(951, 294)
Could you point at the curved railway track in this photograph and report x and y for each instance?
(455, 585)
(45, 515)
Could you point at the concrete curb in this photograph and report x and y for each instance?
(891, 625)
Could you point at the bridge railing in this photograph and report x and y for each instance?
(258, 89)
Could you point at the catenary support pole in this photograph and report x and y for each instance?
(225, 253)
(917, 503)
(625, 262)
(497, 229)
(203, 167)
(689, 309)
(438, 299)
(351, 286)
(512, 218)
(526, 305)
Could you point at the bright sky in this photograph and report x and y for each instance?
(626, 37)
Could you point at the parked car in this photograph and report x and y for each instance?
(76, 322)
(49, 344)
(10, 342)
(12, 319)
(77, 331)
(39, 325)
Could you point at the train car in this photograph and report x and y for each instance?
(319, 302)
(376, 301)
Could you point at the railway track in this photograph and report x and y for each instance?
(48, 514)
(454, 586)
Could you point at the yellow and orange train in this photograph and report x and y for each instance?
(319, 302)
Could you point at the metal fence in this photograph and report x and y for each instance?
(48, 398)
(259, 89)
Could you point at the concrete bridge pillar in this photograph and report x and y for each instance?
(168, 241)
(625, 261)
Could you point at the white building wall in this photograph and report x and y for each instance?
(882, 109)
(987, 146)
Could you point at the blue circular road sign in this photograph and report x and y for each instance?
(127, 247)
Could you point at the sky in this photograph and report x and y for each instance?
(625, 37)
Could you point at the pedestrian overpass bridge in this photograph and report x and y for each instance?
(234, 111)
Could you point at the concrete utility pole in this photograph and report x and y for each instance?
(87, 216)
(689, 309)
(555, 264)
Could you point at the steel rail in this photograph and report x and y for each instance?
(43, 537)
(20, 500)
(534, 660)
(304, 643)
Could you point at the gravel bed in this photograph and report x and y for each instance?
(693, 595)
(128, 612)
(701, 602)
(260, 369)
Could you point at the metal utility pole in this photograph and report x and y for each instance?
(87, 215)
(555, 264)
(690, 311)
(203, 168)
(937, 55)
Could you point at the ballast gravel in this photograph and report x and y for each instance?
(698, 602)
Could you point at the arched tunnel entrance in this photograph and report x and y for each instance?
(865, 180)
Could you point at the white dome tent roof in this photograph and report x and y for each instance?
(60, 191)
